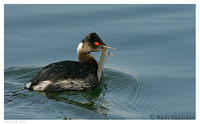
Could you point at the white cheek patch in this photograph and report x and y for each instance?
(80, 47)
(42, 85)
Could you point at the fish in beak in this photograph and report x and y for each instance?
(108, 47)
(102, 59)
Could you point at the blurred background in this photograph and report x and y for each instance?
(152, 72)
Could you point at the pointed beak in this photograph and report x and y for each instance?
(109, 48)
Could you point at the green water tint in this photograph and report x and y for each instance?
(99, 103)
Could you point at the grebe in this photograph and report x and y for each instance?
(73, 75)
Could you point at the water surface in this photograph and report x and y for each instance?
(152, 73)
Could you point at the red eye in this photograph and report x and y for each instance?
(97, 44)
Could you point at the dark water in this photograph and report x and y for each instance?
(151, 76)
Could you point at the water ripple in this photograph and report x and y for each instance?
(105, 101)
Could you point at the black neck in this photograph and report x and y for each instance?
(88, 59)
